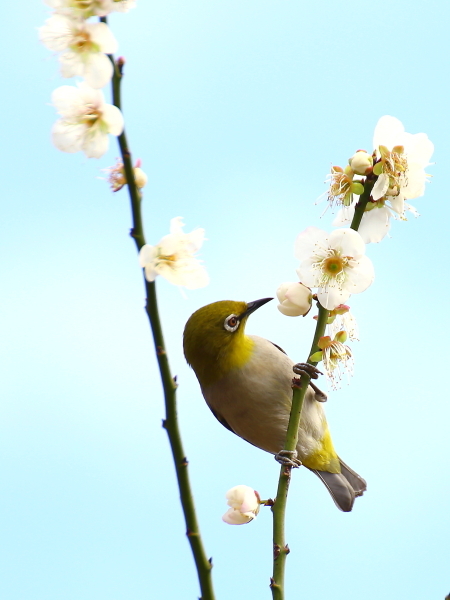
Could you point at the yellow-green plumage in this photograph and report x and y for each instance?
(246, 381)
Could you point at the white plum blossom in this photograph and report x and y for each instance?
(295, 299)
(83, 46)
(90, 8)
(86, 120)
(402, 159)
(335, 263)
(245, 504)
(173, 257)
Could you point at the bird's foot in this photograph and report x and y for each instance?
(313, 372)
(307, 369)
(288, 458)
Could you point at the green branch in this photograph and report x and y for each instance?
(280, 548)
(362, 202)
(170, 423)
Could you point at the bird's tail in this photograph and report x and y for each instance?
(344, 487)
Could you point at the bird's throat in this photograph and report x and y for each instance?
(232, 355)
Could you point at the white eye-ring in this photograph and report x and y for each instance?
(231, 323)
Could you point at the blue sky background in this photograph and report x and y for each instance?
(237, 110)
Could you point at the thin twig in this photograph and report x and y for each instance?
(170, 423)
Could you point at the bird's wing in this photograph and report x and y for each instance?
(276, 346)
(221, 420)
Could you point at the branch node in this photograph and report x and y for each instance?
(160, 351)
(287, 549)
(164, 423)
(191, 533)
(133, 233)
(273, 583)
(184, 462)
(296, 383)
(120, 62)
(276, 551)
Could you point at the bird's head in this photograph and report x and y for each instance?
(214, 338)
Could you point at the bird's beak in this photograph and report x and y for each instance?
(252, 306)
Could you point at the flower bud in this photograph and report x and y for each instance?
(140, 177)
(295, 299)
(245, 504)
(361, 162)
(341, 336)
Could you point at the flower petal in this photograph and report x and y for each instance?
(397, 203)
(300, 296)
(332, 297)
(67, 137)
(419, 149)
(113, 118)
(348, 242)
(95, 144)
(289, 309)
(71, 64)
(307, 275)
(360, 276)
(63, 99)
(375, 224)
(282, 289)
(98, 70)
(102, 35)
(147, 255)
(388, 132)
(309, 242)
(56, 34)
(234, 517)
(381, 187)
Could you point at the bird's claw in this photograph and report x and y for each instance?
(307, 369)
(288, 458)
(313, 373)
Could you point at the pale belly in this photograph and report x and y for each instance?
(255, 401)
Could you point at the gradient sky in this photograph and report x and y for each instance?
(237, 110)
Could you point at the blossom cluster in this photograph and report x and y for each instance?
(82, 46)
(398, 164)
(333, 266)
(86, 120)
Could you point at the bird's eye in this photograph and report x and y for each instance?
(231, 323)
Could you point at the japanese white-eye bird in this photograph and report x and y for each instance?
(247, 383)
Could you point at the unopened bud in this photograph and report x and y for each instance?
(361, 162)
(245, 504)
(295, 299)
(140, 177)
(341, 336)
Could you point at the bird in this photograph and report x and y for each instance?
(246, 381)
